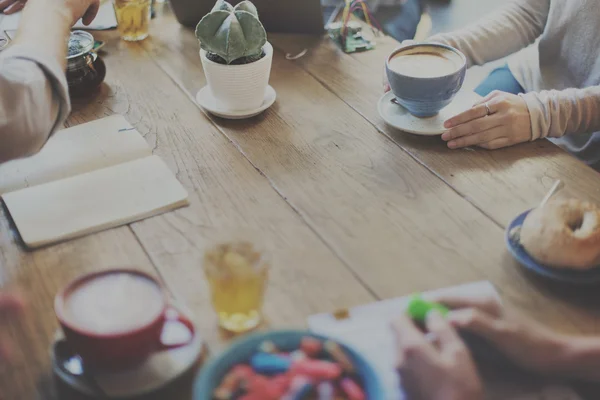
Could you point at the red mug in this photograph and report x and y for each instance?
(122, 349)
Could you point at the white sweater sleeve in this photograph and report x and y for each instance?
(555, 113)
(504, 32)
(34, 100)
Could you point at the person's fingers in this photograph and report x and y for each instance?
(11, 303)
(446, 335)
(496, 143)
(91, 13)
(480, 323)
(472, 127)
(477, 138)
(475, 112)
(480, 301)
(13, 8)
(6, 3)
(410, 341)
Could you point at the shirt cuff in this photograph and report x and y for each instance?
(53, 71)
(537, 116)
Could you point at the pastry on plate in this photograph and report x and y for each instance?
(563, 234)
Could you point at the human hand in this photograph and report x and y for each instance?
(84, 9)
(71, 10)
(504, 122)
(11, 6)
(10, 305)
(438, 370)
(386, 84)
(526, 343)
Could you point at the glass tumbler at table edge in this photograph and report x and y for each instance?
(237, 272)
(133, 18)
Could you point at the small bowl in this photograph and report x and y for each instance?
(426, 96)
(242, 350)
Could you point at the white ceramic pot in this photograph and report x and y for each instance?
(239, 87)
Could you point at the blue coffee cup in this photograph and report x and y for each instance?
(425, 77)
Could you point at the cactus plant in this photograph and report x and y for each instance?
(232, 35)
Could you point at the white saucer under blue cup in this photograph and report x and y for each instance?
(587, 277)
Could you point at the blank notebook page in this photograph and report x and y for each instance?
(94, 201)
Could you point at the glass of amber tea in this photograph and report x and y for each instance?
(237, 272)
(133, 18)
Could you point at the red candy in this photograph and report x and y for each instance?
(311, 346)
(314, 363)
(352, 390)
(317, 369)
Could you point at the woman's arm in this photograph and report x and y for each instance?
(34, 99)
(512, 28)
(555, 113)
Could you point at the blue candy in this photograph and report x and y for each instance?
(269, 364)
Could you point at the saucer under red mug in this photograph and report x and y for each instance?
(124, 348)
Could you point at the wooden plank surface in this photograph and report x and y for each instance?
(347, 215)
(226, 194)
(501, 183)
(395, 224)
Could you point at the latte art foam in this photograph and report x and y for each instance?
(114, 303)
(421, 63)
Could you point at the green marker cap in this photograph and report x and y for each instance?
(418, 308)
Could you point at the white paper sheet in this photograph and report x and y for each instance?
(104, 20)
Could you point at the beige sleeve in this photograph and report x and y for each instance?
(506, 31)
(555, 113)
(34, 100)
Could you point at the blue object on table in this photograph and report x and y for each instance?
(245, 348)
(425, 96)
(589, 277)
(270, 364)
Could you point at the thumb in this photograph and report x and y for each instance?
(91, 13)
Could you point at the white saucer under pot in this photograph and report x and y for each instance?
(208, 102)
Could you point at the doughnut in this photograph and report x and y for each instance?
(563, 234)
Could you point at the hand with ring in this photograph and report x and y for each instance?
(498, 120)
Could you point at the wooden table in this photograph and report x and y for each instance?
(351, 210)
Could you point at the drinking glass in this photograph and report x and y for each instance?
(133, 18)
(237, 271)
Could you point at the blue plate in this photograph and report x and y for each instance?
(588, 277)
(242, 350)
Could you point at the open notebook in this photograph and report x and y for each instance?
(88, 178)
(368, 329)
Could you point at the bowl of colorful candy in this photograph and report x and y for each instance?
(288, 365)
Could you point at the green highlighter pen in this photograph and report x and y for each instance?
(418, 308)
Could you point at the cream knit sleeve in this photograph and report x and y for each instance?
(555, 113)
(34, 100)
(506, 31)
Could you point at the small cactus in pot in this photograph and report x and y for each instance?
(235, 54)
(232, 35)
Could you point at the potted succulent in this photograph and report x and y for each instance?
(235, 55)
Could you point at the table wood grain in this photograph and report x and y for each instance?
(349, 210)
